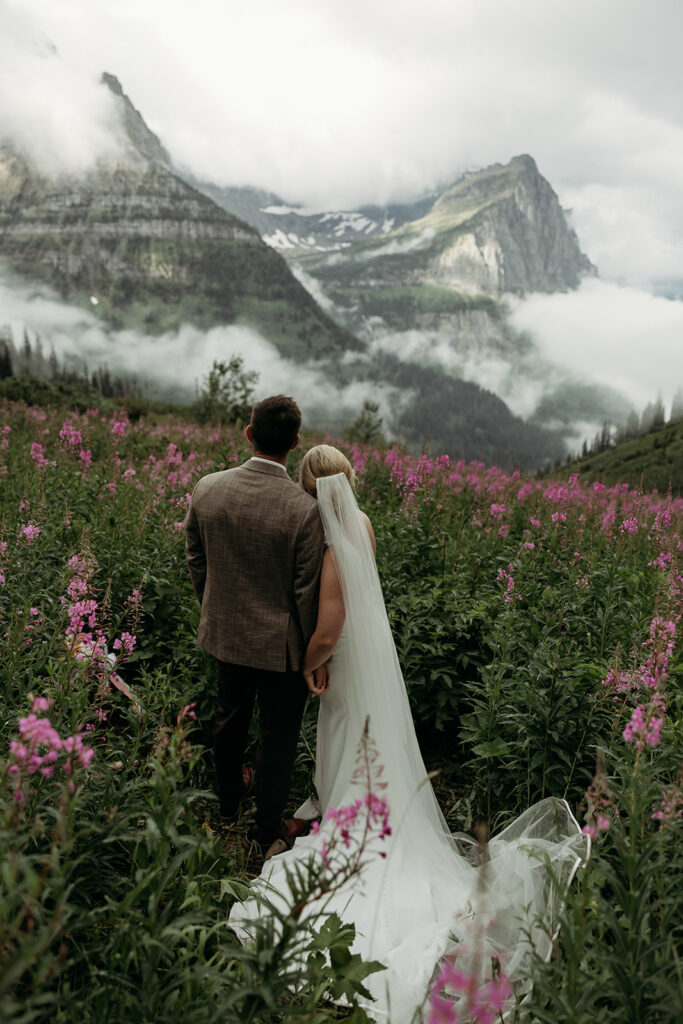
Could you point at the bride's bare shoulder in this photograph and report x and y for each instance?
(371, 532)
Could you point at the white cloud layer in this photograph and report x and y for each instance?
(169, 365)
(350, 101)
(619, 336)
(55, 111)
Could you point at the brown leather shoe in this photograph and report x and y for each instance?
(292, 828)
(279, 846)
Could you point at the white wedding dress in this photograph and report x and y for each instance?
(429, 896)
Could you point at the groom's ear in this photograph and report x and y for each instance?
(247, 431)
(296, 441)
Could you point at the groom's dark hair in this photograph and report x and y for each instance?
(275, 424)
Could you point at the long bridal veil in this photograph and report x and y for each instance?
(434, 895)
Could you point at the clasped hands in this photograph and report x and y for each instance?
(317, 679)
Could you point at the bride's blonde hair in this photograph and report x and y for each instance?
(324, 460)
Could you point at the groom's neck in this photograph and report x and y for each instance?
(280, 460)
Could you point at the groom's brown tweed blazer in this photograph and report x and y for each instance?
(254, 545)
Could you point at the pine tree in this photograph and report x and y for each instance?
(5, 360)
(659, 415)
(367, 426)
(677, 407)
(26, 355)
(52, 364)
(38, 363)
(632, 424)
(605, 437)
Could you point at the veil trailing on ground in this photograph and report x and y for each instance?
(435, 895)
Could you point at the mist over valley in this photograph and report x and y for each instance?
(469, 314)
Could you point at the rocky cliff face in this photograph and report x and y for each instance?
(435, 289)
(510, 235)
(146, 250)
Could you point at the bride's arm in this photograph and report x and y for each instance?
(330, 621)
(331, 616)
(371, 532)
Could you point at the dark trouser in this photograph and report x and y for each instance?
(281, 699)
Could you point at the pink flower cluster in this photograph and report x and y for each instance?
(29, 531)
(629, 525)
(125, 644)
(600, 804)
(645, 726)
(72, 440)
(458, 995)
(40, 749)
(38, 455)
(506, 575)
(119, 425)
(371, 814)
(671, 805)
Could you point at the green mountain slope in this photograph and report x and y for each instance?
(654, 460)
(142, 249)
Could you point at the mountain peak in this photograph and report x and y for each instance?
(140, 136)
(525, 161)
(112, 82)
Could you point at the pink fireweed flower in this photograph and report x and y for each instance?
(671, 805)
(38, 455)
(469, 998)
(600, 804)
(534, 521)
(645, 726)
(30, 531)
(40, 749)
(629, 525)
(187, 711)
(125, 645)
(80, 613)
(119, 425)
(70, 436)
(607, 522)
(662, 561)
(505, 575)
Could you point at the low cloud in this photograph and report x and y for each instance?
(398, 246)
(58, 115)
(622, 337)
(521, 381)
(170, 365)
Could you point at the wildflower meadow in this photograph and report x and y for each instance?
(537, 622)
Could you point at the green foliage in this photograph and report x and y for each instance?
(367, 426)
(620, 955)
(227, 393)
(114, 898)
(653, 461)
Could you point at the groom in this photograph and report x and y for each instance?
(254, 545)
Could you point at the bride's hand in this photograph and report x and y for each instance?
(317, 680)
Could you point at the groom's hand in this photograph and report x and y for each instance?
(317, 680)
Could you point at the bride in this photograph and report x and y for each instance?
(421, 902)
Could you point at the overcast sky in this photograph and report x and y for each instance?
(338, 102)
